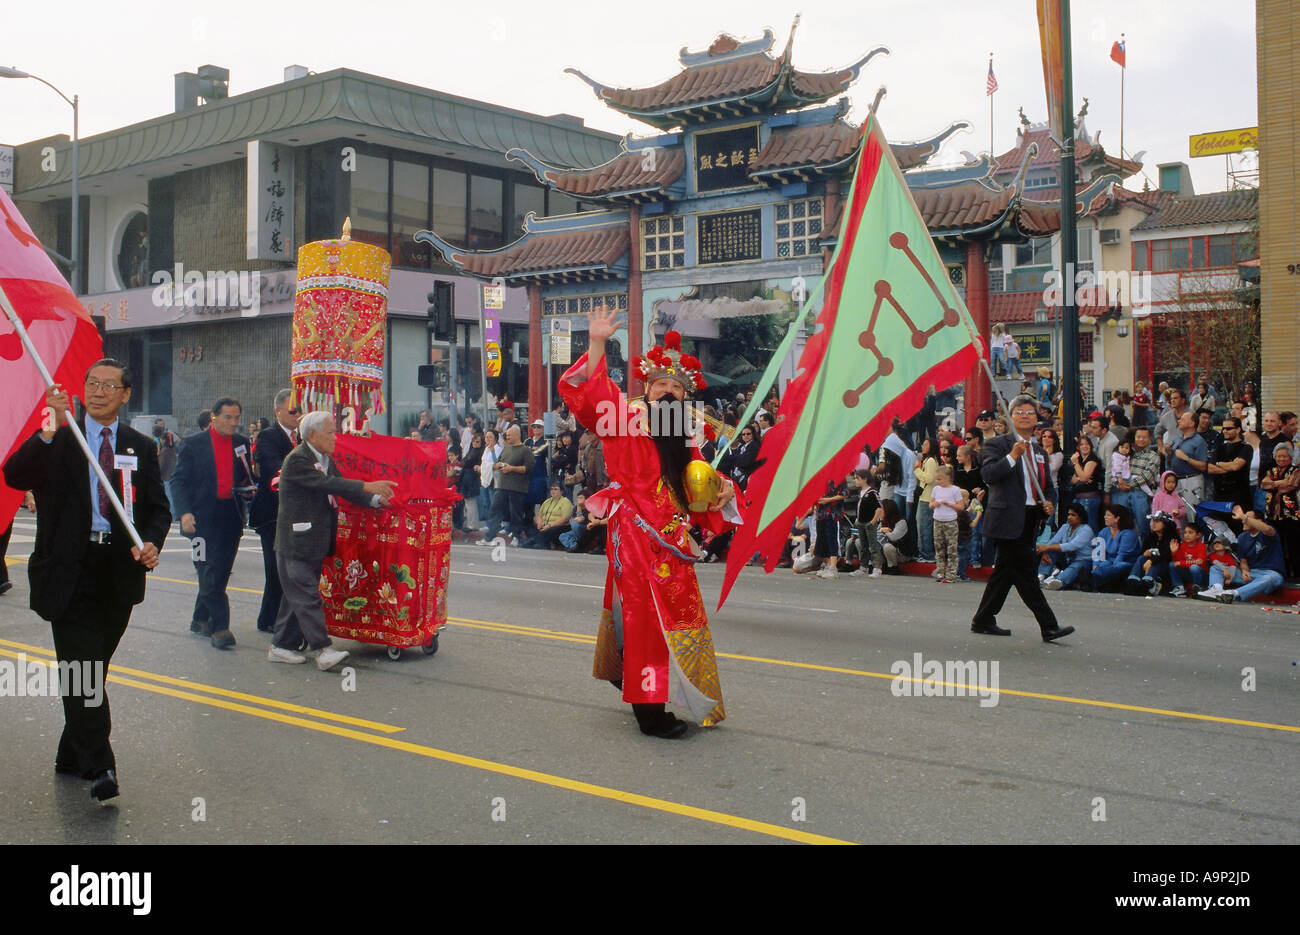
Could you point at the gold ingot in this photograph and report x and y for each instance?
(703, 485)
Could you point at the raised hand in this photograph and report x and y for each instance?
(601, 324)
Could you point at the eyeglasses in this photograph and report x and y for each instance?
(92, 384)
(295, 412)
(1024, 412)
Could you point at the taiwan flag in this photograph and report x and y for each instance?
(1117, 53)
(891, 324)
(59, 327)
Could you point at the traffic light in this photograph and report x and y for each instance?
(442, 316)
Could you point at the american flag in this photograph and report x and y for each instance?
(992, 82)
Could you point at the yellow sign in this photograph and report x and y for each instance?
(1224, 141)
(561, 349)
(494, 296)
(493, 359)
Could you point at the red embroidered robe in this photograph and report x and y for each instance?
(654, 632)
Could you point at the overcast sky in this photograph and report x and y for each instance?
(1191, 62)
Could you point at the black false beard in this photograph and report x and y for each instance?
(669, 423)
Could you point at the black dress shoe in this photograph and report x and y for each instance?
(201, 627)
(1049, 635)
(104, 786)
(223, 639)
(991, 629)
(266, 629)
(5, 586)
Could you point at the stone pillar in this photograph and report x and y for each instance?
(979, 395)
(635, 318)
(537, 367)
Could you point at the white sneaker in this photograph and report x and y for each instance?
(828, 571)
(858, 573)
(276, 654)
(1041, 578)
(329, 657)
(935, 574)
(876, 573)
(1211, 593)
(1053, 584)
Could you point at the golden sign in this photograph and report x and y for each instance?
(1223, 141)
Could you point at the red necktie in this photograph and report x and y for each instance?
(293, 437)
(105, 462)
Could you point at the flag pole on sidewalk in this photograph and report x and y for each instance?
(120, 510)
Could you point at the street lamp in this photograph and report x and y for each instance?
(6, 72)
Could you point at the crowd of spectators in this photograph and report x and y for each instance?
(1158, 492)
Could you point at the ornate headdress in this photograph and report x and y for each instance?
(669, 362)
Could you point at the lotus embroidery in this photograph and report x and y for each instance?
(354, 573)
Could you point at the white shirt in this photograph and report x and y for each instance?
(1029, 487)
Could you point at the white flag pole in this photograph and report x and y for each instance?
(72, 423)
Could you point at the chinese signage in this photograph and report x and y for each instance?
(270, 201)
(1223, 142)
(1035, 350)
(7, 168)
(494, 300)
(723, 158)
(730, 236)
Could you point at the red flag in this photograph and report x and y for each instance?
(1117, 54)
(60, 328)
(992, 84)
(1050, 17)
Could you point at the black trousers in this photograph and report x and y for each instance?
(4, 548)
(1017, 567)
(89, 631)
(219, 547)
(272, 592)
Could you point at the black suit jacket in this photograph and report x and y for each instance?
(58, 476)
(194, 487)
(1004, 514)
(273, 446)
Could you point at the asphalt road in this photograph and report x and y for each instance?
(1141, 718)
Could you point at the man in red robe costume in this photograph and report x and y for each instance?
(654, 640)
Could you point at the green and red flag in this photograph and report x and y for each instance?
(891, 324)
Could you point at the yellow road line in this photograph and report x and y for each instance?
(578, 637)
(212, 689)
(503, 769)
(1066, 699)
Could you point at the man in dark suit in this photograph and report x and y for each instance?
(273, 444)
(212, 478)
(305, 531)
(1016, 506)
(85, 573)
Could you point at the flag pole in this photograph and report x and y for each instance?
(991, 112)
(72, 423)
(1122, 69)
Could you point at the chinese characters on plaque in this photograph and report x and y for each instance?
(730, 236)
(270, 201)
(723, 158)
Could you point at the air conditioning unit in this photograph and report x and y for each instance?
(1110, 235)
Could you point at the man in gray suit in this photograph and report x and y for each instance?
(305, 535)
(1016, 506)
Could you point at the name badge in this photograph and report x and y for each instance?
(240, 451)
(126, 462)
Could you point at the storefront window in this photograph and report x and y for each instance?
(527, 198)
(368, 202)
(449, 205)
(410, 214)
(485, 213)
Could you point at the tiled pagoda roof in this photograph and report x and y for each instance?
(594, 248)
(1231, 207)
(730, 78)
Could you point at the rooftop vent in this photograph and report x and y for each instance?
(211, 83)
